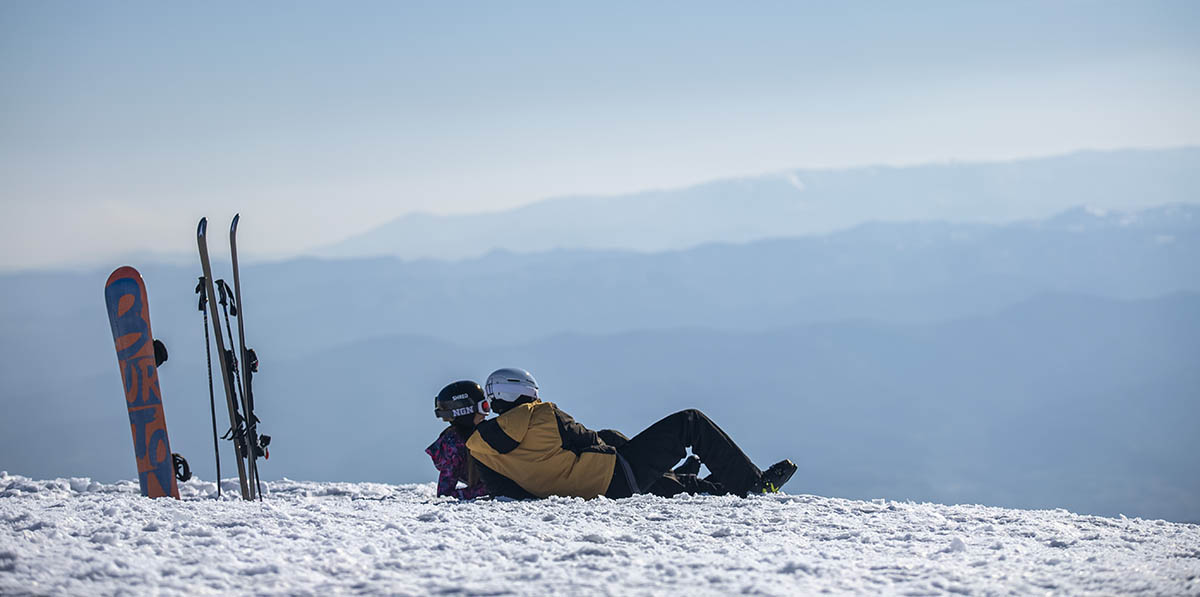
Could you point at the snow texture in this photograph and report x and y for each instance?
(78, 537)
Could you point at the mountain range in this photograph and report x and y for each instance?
(796, 203)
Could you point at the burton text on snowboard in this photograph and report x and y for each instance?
(129, 316)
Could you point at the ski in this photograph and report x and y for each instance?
(249, 365)
(223, 358)
(139, 356)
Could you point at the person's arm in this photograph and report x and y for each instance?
(501, 486)
(577, 438)
(612, 437)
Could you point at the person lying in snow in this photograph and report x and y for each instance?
(464, 406)
(461, 404)
(534, 449)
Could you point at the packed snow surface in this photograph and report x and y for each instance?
(78, 537)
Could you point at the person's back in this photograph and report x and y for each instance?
(543, 450)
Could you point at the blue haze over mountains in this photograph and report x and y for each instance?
(800, 202)
(997, 355)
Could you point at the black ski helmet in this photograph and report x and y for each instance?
(460, 399)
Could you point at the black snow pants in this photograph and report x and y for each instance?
(644, 460)
(673, 484)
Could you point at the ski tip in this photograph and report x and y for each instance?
(233, 226)
(203, 227)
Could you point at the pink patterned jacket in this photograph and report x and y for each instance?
(450, 456)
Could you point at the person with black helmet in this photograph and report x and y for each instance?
(462, 405)
(533, 448)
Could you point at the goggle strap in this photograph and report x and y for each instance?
(456, 408)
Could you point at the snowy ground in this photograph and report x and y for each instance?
(77, 537)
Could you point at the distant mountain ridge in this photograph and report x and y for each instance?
(798, 203)
(888, 272)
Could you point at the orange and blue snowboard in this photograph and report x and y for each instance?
(129, 315)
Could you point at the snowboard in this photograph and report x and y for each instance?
(129, 316)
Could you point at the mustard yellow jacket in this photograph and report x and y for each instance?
(544, 450)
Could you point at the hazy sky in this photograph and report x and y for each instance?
(122, 123)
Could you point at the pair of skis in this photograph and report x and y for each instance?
(239, 397)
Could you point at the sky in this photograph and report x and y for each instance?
(121, 124)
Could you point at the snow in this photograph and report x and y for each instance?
(76, 536)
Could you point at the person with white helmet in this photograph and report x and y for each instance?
(533, 448)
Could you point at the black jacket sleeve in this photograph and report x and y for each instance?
(577, 438)
(500, 486)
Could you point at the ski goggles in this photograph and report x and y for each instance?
(462, 407)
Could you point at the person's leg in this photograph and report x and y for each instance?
(673, 484)
(667, 485)
(662, 445)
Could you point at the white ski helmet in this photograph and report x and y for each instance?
(506, 386)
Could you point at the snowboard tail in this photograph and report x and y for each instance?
(129, 316)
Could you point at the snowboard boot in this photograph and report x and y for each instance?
(773, 478)
(691, 466)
